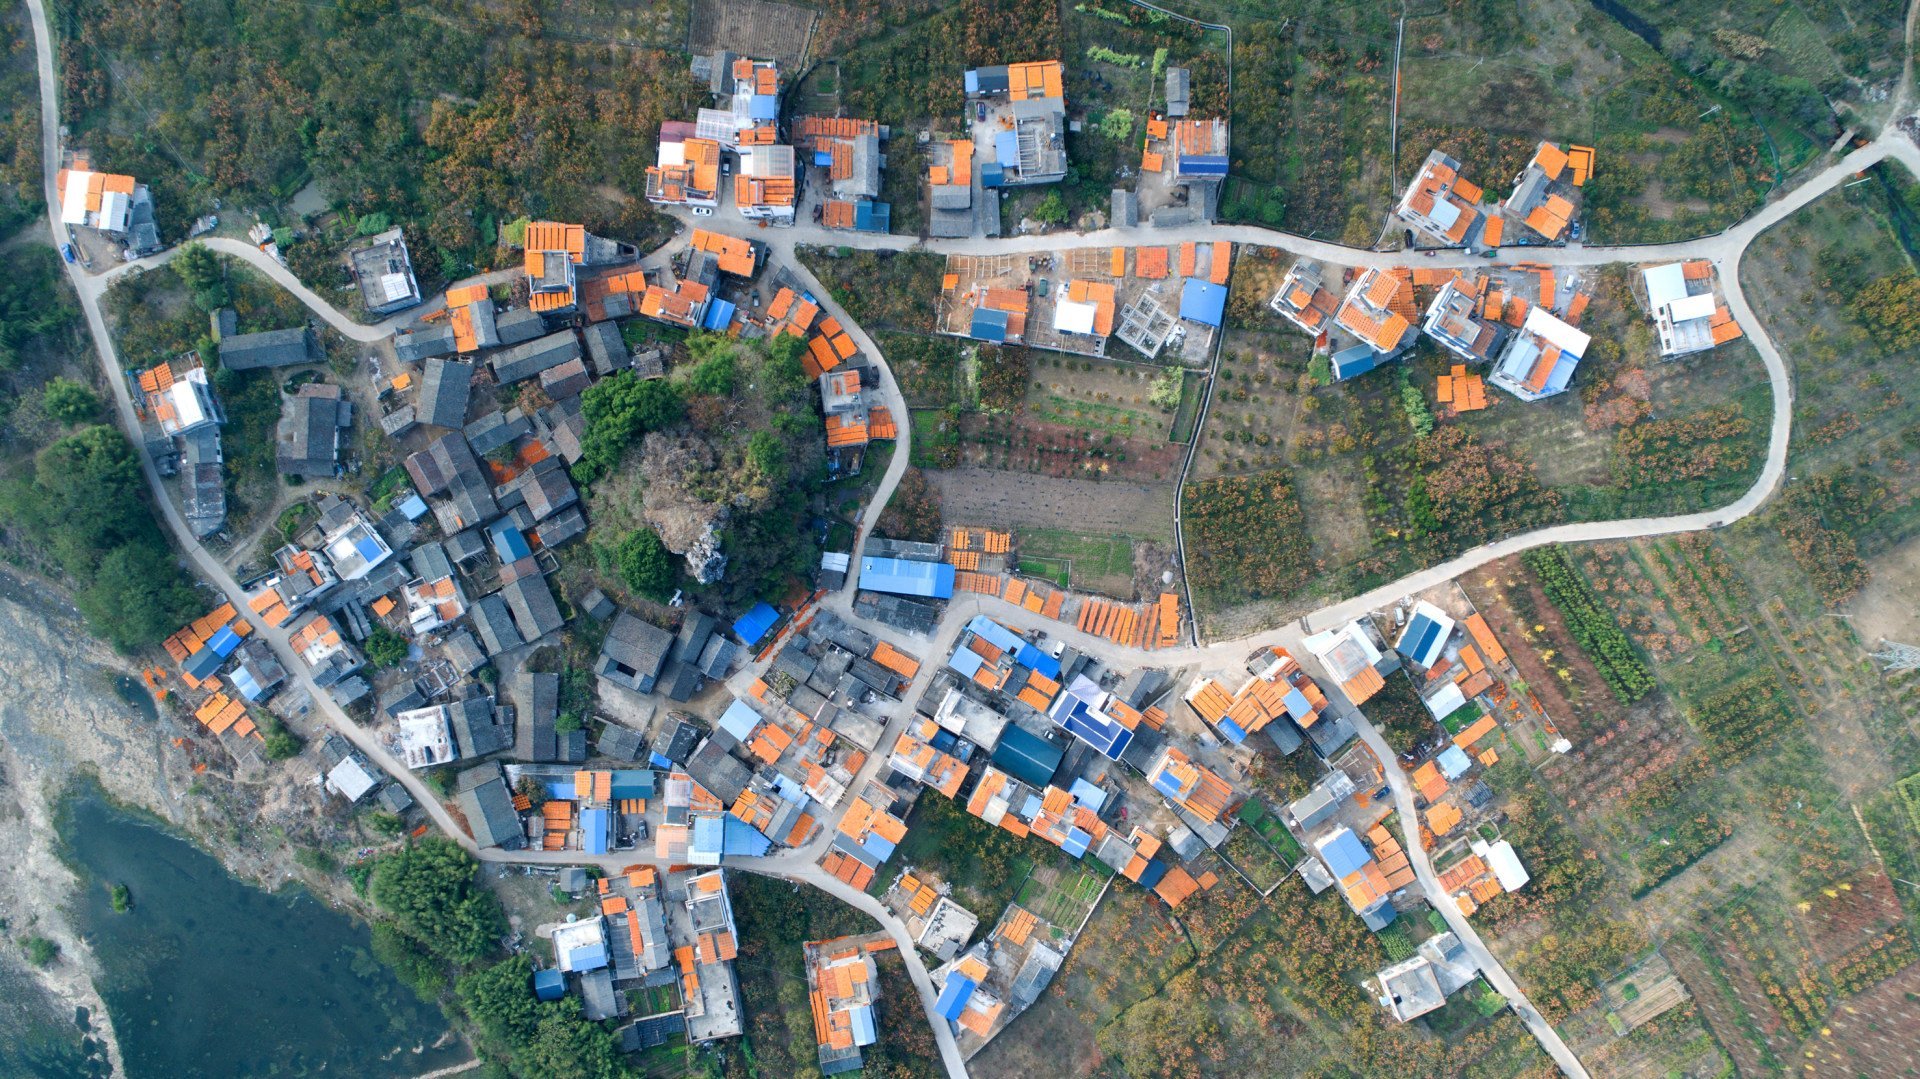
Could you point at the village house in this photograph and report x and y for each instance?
(1023, 138)
(1442, 205)
(1688, 316)
(269, 348)
(1304, 299)
(1183, 162)
(308, 439)
(384, 272)
(112, 203)
(1379, 312)
(1543, 194)
(848, 154)
(1539, 361)
(842, 984)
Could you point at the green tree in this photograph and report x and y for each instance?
(768, 454)
(69, 400)
(429, 890)
(716, 367)
(499, 1000)
(41, 952)
(204, 276)
(1117, 125)
(385, 648)
(1165, 390)
(1051, 211)
(617, 409)
(646, 565)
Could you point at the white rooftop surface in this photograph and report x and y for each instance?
(73, 202)
(1504, 863)
(1665, 284)
(394, 286)
(671, 153)
(1445, 701)
(186, 406)
(351, 780)
(571, 935)
(1070, 316)
(1544, 325)
(424, 737)
(1688, 308)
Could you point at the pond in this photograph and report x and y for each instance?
(209, 976)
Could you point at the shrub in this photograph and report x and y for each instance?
(646, 565)
(1592, 626)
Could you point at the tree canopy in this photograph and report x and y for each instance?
(646, 564)
(618, 409)
(429, 889)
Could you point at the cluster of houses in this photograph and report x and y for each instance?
(1521, 320)
(653, 932)
(1154, 298)
(1183, 164)
(1446, 209)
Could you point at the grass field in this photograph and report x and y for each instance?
(1086, 560)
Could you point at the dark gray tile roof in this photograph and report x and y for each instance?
(270, 348)
(444, 390)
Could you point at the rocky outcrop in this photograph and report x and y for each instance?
(679, 502)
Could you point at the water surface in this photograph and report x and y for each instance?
(208, 976)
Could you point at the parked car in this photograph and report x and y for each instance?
(66, 252)
(980, 112)
(703, 211)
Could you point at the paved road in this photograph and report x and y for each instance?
(1725, 249)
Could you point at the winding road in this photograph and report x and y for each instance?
(1725, 249)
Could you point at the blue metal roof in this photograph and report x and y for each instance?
(202, 664)
(659, 761)
(905, 577)
(1029, 656)
(1026, 756)
(1076, 842)
(988, 325)
(1151, 875)
(971, 79)
(224, 642)
(864, 1031)
(739, 720)
(744, 840)
(1357, 360)
(1562, 373)
(1088, 795)
(992, 174)
(243, 682)
(1203, 301)
(549, 984)
(561, 789)
(1165, 783)
(1235, 732)
(881, 849)
(1453, 762)
(753, 625)
(1344, 853)
(508, 543)
(966, 661)
(995, 634)
(719, 314)
(413, 507)
(596, 830)
(870, 216)
(1297, 704)
(953, 998)
(710, 835)
(587, 957)
(763, 107)
(823, 158)
(1203, 165)
(1006, 149)
(1422, 636)
(633, 783)
(368, 547)
(1103, 734)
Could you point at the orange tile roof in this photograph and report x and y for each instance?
(733, 254)
(1479, 730)
(1581, 158)
(1175, 886)
(1150, 262)
(1551, 160)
